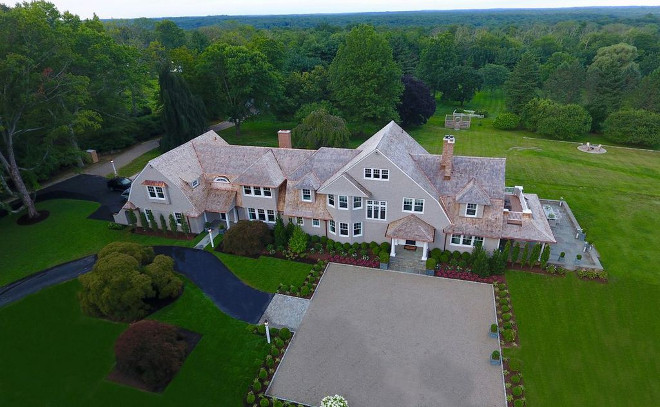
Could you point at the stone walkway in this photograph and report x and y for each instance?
(285, 311)
(408, 261)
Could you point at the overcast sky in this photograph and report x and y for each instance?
(175, 8)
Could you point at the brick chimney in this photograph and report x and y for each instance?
(447, 156)
(284, 138)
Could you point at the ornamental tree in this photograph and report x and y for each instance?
(321, 129)
(417, 103)
(247, 238)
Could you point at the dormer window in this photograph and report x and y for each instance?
(195, 183)
(223, 180)
(306, 195)
(471, 210)
(331, 200)
(156, 192)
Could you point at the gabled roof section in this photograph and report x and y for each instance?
(345, 185)
(397, 145)
(309, 181)
(263, 172)
(473, 193)
(534, 228)
(324, 163)
(411, 228)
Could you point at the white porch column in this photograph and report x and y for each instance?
(393, 249)
(541, 254)
(205, 219)
(424, 251)
(235, 215)
(227, 220)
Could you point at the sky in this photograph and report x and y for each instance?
(176, 8)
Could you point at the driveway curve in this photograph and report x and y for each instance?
(228, 292)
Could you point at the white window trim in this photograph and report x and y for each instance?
(378, 205)
(252, 211)
(361, 229)
(195, 183)
(348, 231)
(262, 190)
(156, 188)
(380, 174)
(462, 237)
(339, 202)
(176, 218)
(302, 195)
(268, 211)
(413, 204)
(332, 227)
(300, 221)
(361, 202)
(223, 180)
(332, 205)
(316, 223)
(476, 210)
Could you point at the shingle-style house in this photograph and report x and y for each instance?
(389, 188)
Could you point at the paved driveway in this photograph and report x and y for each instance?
(383, 338)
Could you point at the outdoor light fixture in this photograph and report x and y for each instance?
(267, 331)
(113, 167)
(211, 236)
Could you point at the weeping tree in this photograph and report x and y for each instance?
(183, 115)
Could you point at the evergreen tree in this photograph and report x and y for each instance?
(545, 256)
(522, 85)
(280, 233)
(364, 80)
(515, 253)
(438, 56)
(153, 225)
(173, 225)
(566, 83)
(525, 254)
(144, 222)
(534, 255)
(132, 219)
(183, 113)
(506, 253)
(163, 223)
(321, 129)
(185, 227)
(480, 263)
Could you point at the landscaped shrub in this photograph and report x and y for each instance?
(278, 342)
(121, 288)
(504, 301)
(509, 335)
(324, 240)
(279, 232)
(507, 325)
(132, 218)
(256, 385)
(506, 121)
(304, 291)
(497, 263)
(515, 253)
(517, 391)
(495, 355)
(505, 308)
(247, 238)
(250, 398)
(431, 263)
(285, 333)
(274, 351)
(384, 256)
(298, 241)
(534, 255)
(519, 403)
(150, 351)
(525, 254)
(385, 246)
(144, 222)
(514, 365)
(506, 317)
(436, 254)
(163, 223)
(174, 227)
(480, 263)
(116, 226)
(515, 379)
(270, 362)
(638, 127)
(263, 373)
(493, 328)
(444, 258)
(334, 401)
(264, 402)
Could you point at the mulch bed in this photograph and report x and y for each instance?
(25, 220)
(191, 338)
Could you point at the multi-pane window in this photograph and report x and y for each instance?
(332, 227)
(357, 229)
(252, 214)
(300, 221)
(256, 191)
(343, 202)
(467, 240)
(343, 229)
(377, 173)
(179, 218)
(149, 214)
(377, 210)
(471, 210)
(331, 200)
(266, 191)
(271, 216)
(413, 205)
(264, 215)
(261, 215)
(357, 202)
(156, 192)
(247, 190)
(316, 223)
(307, 195)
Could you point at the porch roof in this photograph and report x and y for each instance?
(219, 200)
(410, 228)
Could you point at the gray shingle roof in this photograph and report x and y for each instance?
(263, 172)
(473, 193)
(535, 229)
(411, 228)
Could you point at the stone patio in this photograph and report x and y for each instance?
(285, 311)
(383, 338)
(570, 239)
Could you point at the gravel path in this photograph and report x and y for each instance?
(285, 311)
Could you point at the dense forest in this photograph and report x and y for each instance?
(70, 84)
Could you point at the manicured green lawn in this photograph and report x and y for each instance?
(66, 235)
(54, 355)
(138, 164)
(265, 273)
(587, 344)
(260, 131)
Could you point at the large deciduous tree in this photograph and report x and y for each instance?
(321, 129)
(438, 55)
(566, 83)
(638, 127)
(183, 113)
(611, 75)
(494, 76)
(364, 79)
(460, 84)
(236, 82)
(522, 85)
(417, 103)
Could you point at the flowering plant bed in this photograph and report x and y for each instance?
(592, 275)
(467, 276)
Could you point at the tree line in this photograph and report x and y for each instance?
(70, 84)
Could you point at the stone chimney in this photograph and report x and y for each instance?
(447, 156)
(284, 138)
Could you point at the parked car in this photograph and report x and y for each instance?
(125, 194)
(119, 184)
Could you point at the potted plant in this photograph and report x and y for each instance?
(578, 259)
(430, 266)
(561, 256)
(495, 358)
(222, 229)
(493, 331)
(384, 260)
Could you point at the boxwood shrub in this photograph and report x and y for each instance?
(285, 333)
(517, 391)
(515, 379)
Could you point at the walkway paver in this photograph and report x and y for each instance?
(383, 338)
(285, 311)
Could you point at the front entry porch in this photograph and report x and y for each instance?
(406, 260)
(410, 243)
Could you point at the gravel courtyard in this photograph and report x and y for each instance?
(384, 338)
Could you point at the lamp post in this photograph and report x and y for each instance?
(267, 331)
(211, 237)
(113, 167)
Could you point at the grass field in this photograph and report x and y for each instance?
(60, 357)
(66, 235)
(138, 164)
